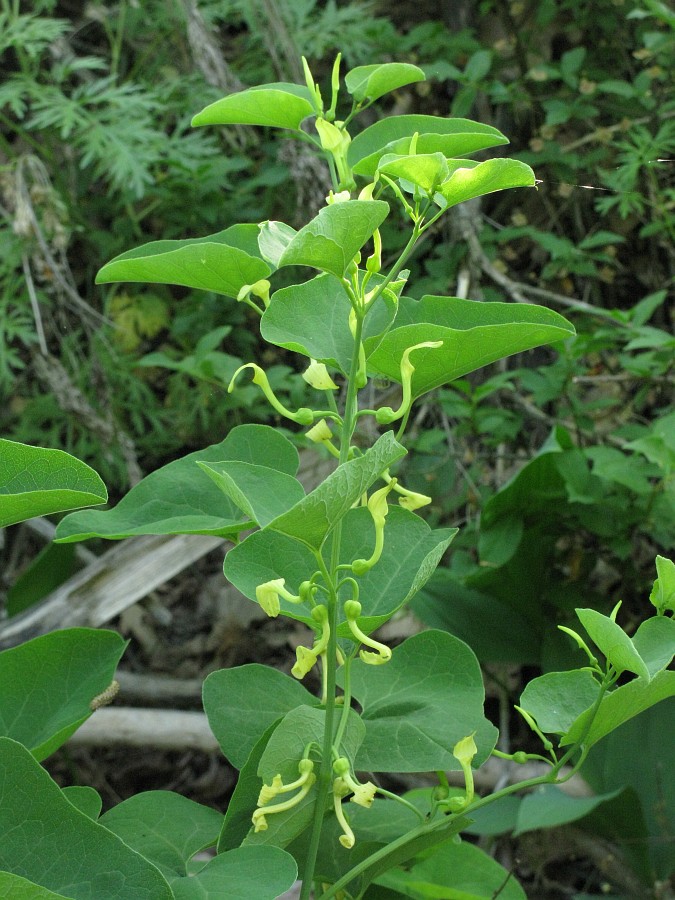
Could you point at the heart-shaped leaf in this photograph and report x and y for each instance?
(215, 263)
(241, 704)
(473, 333)
(37, 482)
(313, 319)
(333, 238)
(180, 497)
(247, 873)
(557, 699)
(49, 682)
(372, 82)
(46, 840)
(452, 137)
(456, 870)
(485, 178)
(279, 105)
(165, 828)
(417, 706)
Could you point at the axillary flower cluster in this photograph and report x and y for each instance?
(278, 796)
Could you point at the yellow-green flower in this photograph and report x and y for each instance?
(268, 594)
(385, 415)
(378, 508)
(347, 838)
(382, 654)
(303, 416)
(305, 658)
(268, 792)
(316, 375)
(363, 794)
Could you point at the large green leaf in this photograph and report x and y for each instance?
(37, 482)
(619, 706)
(46, 840)
(245, 873)
(313, 319)
(548, 807)
(180, 497)
(259, 491)
(479, 619)
(279, 105)
(215, 263)
(557, 699)
(13, 887)
(454, 872)
(313, 518)
(243, 702)
(333, 238)
(641, 820)
(417, 706)
(164, 827)
(485, 178)
(452, 137)
(655, 642)
(372, 82)
(473, 333)
(410, 555)
(613, 641)
(49, 682)
(426, 170)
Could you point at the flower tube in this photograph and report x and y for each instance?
(303, 416)
(382, 654)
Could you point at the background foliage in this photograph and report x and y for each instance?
(559, 465)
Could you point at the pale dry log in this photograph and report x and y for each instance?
(116, 580)
(176, 730)
(157, 728)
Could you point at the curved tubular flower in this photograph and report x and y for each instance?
(321, 434)
(464, 751)
(305, 658)
(409, 500)
(382, 654)
(268, 792)
(268, 594)
(303, 416)
(316, 375)
(258, 289)
(363, 793)
(340, 790)
(378, 508)
(385, 415)
(374, 262)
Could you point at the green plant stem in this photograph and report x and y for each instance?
(325, 772)
(347, 701)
